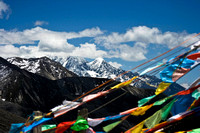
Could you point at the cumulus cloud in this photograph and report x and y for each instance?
(43, 42)
(115, 64)
(4, 10)
(140, 37)
(51, 41)
(88, 51)
(130, 53)
(144, 34)
(40, 23)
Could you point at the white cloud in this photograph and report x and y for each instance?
(4, 10)
(9, 51)
(128, 53)
(115, 64)
(88, 51)
(40, 23)
(51, 41)
(144, 34)
(141, 37)
(47, 43)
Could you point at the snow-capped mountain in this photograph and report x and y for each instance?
(98, 68)
(42, 66)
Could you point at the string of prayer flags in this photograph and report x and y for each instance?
(120, 85)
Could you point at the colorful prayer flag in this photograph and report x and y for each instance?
(162, 87)
(120, 85)
(94, 96)
(47, 127)
(141, 110)
(111, 126)
(16, 127)
(137, 128)
(145, 100)
(63, 126)
(80, 124)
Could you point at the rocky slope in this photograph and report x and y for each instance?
(42, 66)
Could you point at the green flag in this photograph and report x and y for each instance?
(80, 124)
(167, 108)
(154, 119)
(47, 127)
(160, 102)
(197, 130)
(196, 94)
(144, 100)
(160, 114)
(111, 126)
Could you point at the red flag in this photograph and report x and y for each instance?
(188, 91)
(64, 126)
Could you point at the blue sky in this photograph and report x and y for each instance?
(126, 32)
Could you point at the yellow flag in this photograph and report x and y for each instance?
(141, 110)
(162, 87)
(120, 85)
(136, 129)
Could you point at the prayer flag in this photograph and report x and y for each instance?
(66, 107)
(145, 100)
(120, 85)
(137, 128)
(80, 124)
(166, 109)
(154, 119)
(111, 126)
(64, 126)
(16, 127)
(162, 87)
(141, 110)
(182, 104)
(93, 96)
(95, 122)
(47, 127)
